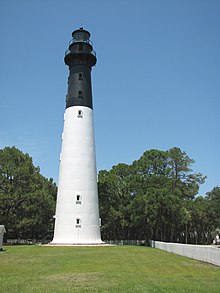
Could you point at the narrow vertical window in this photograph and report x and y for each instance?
(78, 223)
(80, 47)
(80, 114)
(78, 199)
(80, 77)
(80, 95)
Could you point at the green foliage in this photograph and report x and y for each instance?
(27, 199)
(109, 269)
(213, 203)
(154, 198)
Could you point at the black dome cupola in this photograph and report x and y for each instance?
(80, 49)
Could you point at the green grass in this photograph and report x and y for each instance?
(28, 269)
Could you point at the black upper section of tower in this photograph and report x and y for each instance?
(80, 57)
(80, 49)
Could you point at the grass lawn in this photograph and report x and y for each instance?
(28, 269)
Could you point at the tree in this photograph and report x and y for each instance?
(213, 200)
(114, 200)
(27, 199)
(150, 199)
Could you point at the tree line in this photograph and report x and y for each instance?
(27, 199)
(152, 198)
(155, 198)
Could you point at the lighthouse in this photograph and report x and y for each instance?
(77, 210)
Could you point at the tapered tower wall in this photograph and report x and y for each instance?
(77, 211)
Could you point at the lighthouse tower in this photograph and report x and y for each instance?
(77, 212)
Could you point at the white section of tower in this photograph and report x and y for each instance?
(77, 212)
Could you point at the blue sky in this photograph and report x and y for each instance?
(156, 84)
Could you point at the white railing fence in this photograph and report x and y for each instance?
(204, 253)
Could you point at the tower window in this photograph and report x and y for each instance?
(80, 95)
(80, 114)
(78, 223)
(78, 199)
(80, 77)
(80, 47)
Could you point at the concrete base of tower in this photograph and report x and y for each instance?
(69, 234)
(69, 242)
(79, 244)
(76, 242)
